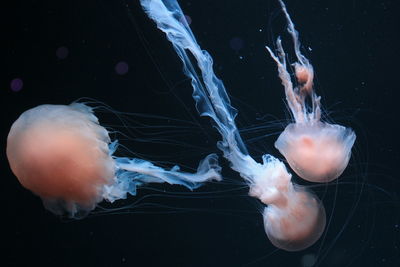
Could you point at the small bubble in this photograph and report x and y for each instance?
(16, 84)
(121, 68)
(62, 52)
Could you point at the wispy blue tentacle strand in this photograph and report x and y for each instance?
(133, 172)
(208, 91)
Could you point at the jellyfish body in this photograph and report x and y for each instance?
(62, 154)
(297, 221)
(317, 151)
(294, 219)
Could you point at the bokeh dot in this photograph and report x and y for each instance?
(308, 260)
(16, 84)
(186, 19)
(62, 52)
(121, 68)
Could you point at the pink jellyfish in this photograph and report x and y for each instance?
(294, 218)
(317, 151)
(62, 154)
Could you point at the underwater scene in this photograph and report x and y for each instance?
(201, 133)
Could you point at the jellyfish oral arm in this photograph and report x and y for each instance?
(208, 91)
(132, 173)
(304, 74)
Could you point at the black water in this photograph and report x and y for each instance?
(62, 51)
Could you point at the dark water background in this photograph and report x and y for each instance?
(62, 51)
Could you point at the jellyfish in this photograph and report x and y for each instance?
(317, 151)
(62, 154)
(294, 218)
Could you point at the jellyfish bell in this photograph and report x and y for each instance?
(62, 154)
(317, 152)
(294, 218)
(296, 223)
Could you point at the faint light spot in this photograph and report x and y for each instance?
(308, 260)
(236, 43)
(16, 84)
(121, 68)
(62, 52)
(186, 19)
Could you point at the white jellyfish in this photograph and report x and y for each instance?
(317, 151)
(62, 154)
(294, 218)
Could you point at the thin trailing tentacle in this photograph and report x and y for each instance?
(304, 71)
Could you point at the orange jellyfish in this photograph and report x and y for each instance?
(62, 154)
(317, 151)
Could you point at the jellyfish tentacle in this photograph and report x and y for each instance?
(304, 74)
(134, 172)
(292, 98)
(208, 91)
